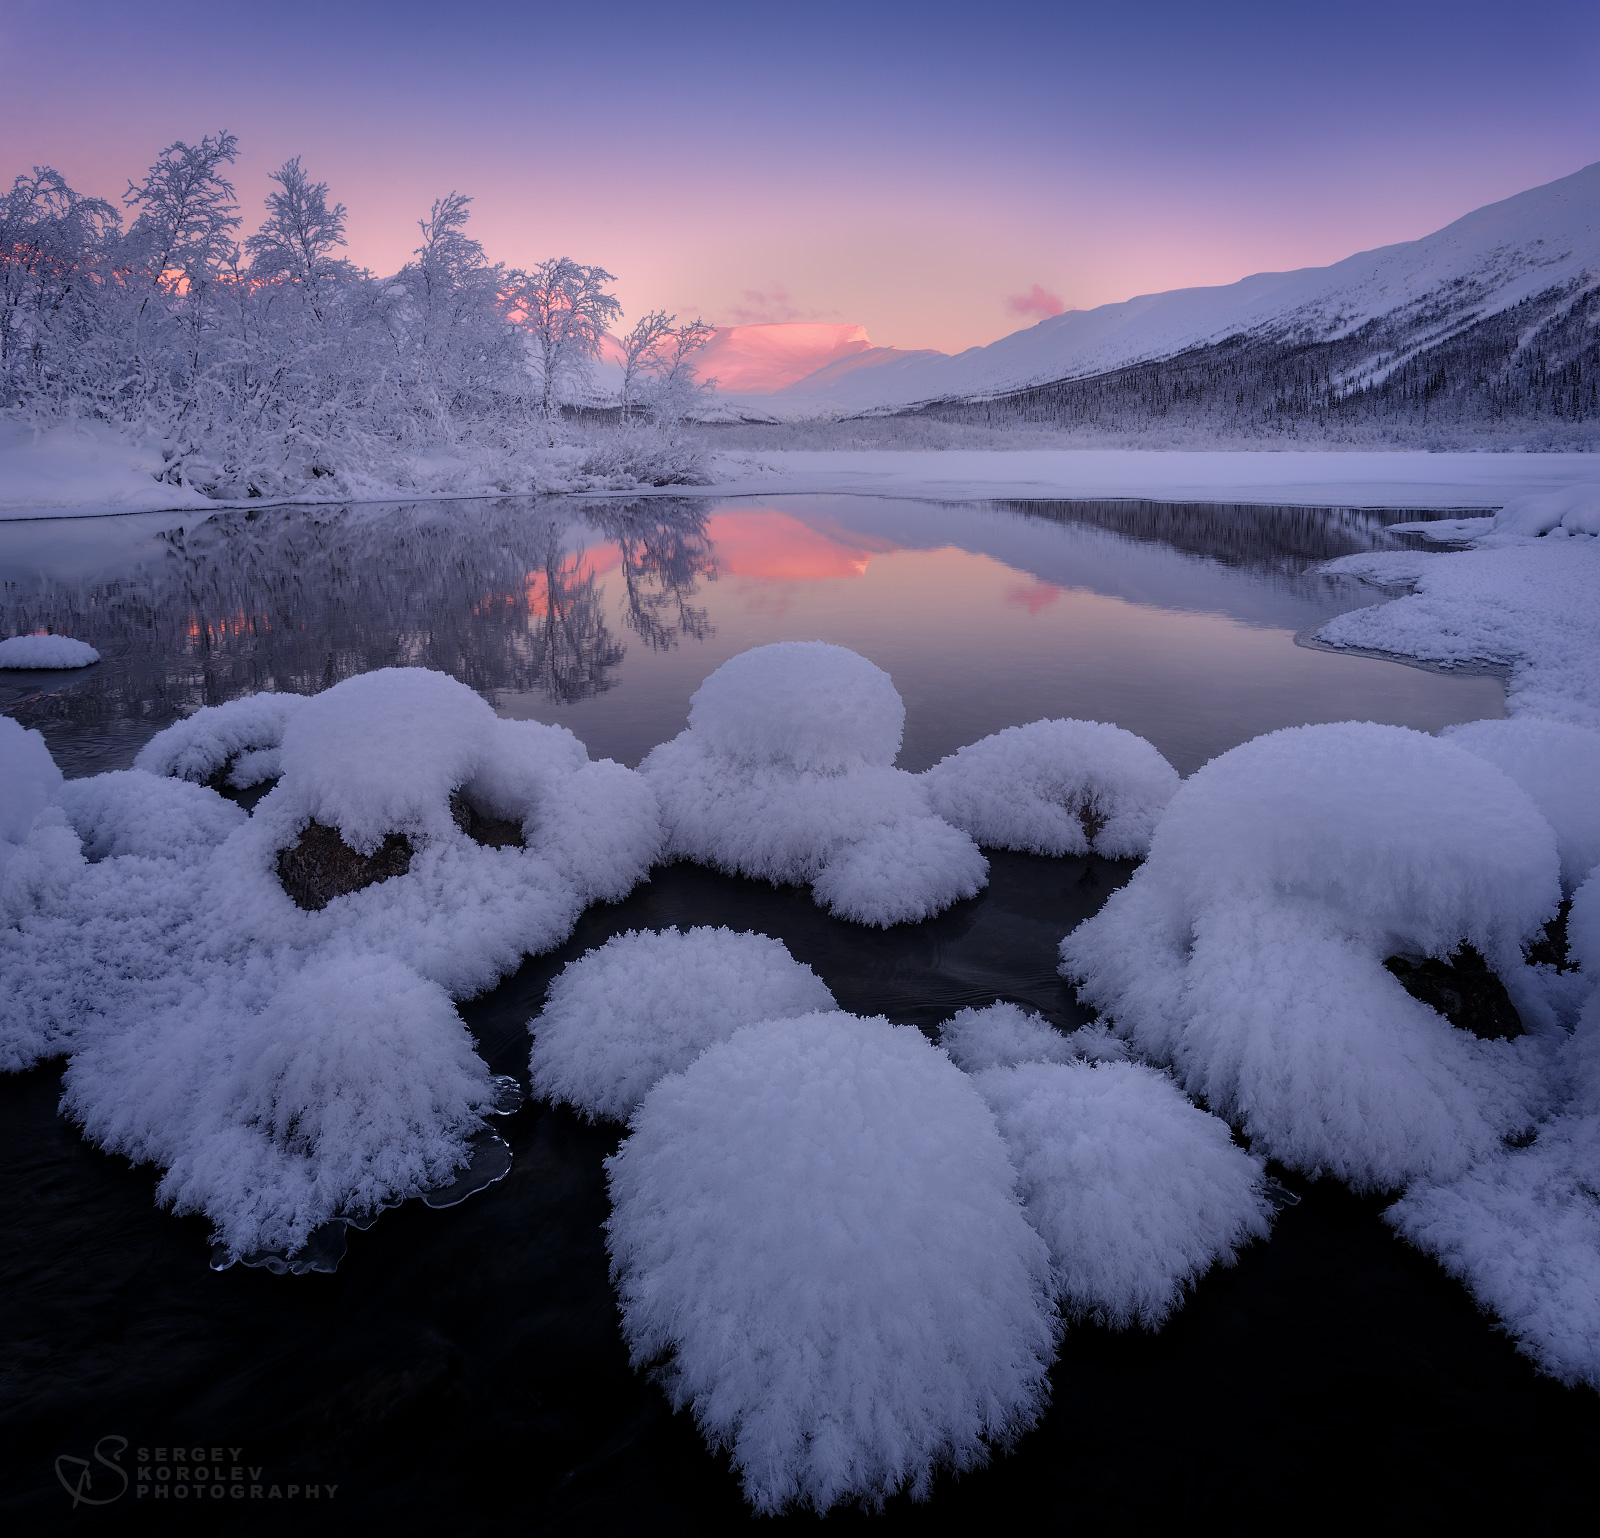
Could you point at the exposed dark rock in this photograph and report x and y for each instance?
(218, 781)
(1463, 990)
(1552, 950)
(321, 866)
(491, 832)
(1093, 822)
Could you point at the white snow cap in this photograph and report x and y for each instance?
(644, 1005)
(196, 747)
(804, 704)
(1572, 510)
(29, 779)
(46, 651)
(1042, 786)
(815, 1231)
(1248, 949)
(1137, 1192)
(785, 774)
(1559, 766)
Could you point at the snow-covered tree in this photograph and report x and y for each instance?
(565, 311)
(639, 354)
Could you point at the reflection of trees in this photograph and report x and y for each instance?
(575, 651)
(296, 599)
(665, 552)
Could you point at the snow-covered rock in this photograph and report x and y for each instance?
(815, 1236)
(786, 774)
(1056, 787)
(644, 1005)
(1248, 950)
(291, 1064)
(46, 651)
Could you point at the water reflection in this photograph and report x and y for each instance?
(1175, 621)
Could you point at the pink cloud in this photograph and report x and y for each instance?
(764, 306)
(1040, 302)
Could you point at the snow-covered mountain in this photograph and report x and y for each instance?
(1534, 258)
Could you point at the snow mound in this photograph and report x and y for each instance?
(160, 935)
(1137, 1192)
(1561, 514)
(1248, 950)
(32, 782)
(815, 1233)
(1056, 787)
(1522, 1230)
(1559, 766)
(643, 1005)
(786, 774)
(354, 1086)
(803, 704)
(246, 733)
(1001, 1035)
(46, 651)
(1583, 925)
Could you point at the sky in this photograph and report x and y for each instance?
(940, 174)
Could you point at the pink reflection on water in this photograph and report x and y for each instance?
(1032, 596)
(761, 542)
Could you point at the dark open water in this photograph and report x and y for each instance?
(463, 1372)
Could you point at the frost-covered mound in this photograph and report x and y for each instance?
(1056, 787)
(1574, 510)
(1522, 1227)
(786, 774)
(242, 737)
(1248, 951)
(644, 1005)
(1559, 766)
(815, 1231)
(190, 957)
(1524, 603)
(46, 651)
(1137, 1192)
(31, 781)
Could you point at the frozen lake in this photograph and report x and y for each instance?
(1174, 621)
(464, 1368)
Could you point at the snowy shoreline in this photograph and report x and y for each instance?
(98, 474)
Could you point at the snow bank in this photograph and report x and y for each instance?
(786, 774)
(644, 1005)
(1559, 767)
(246, 733)
(815, 1232)
(1136, 1191)
(1056, 787)
(46, 651)
(1527, 604)
(1248, 950)
(1572, 510)
(82, 467)
(150, 931)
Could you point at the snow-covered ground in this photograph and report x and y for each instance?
(88, 470)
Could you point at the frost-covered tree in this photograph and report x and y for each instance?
(297, 239)
(53, 248)
(639, 354)
(565, 311)
(675, 385)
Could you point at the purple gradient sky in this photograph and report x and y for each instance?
(907, 167)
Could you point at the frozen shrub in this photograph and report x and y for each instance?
(644, 1005)
(1056, 787)
(786, 774)
(815, 1234)
(1248, 949)
(31, 780)
(46, 651)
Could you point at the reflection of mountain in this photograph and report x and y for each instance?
(1277, 541)
(502, 595)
